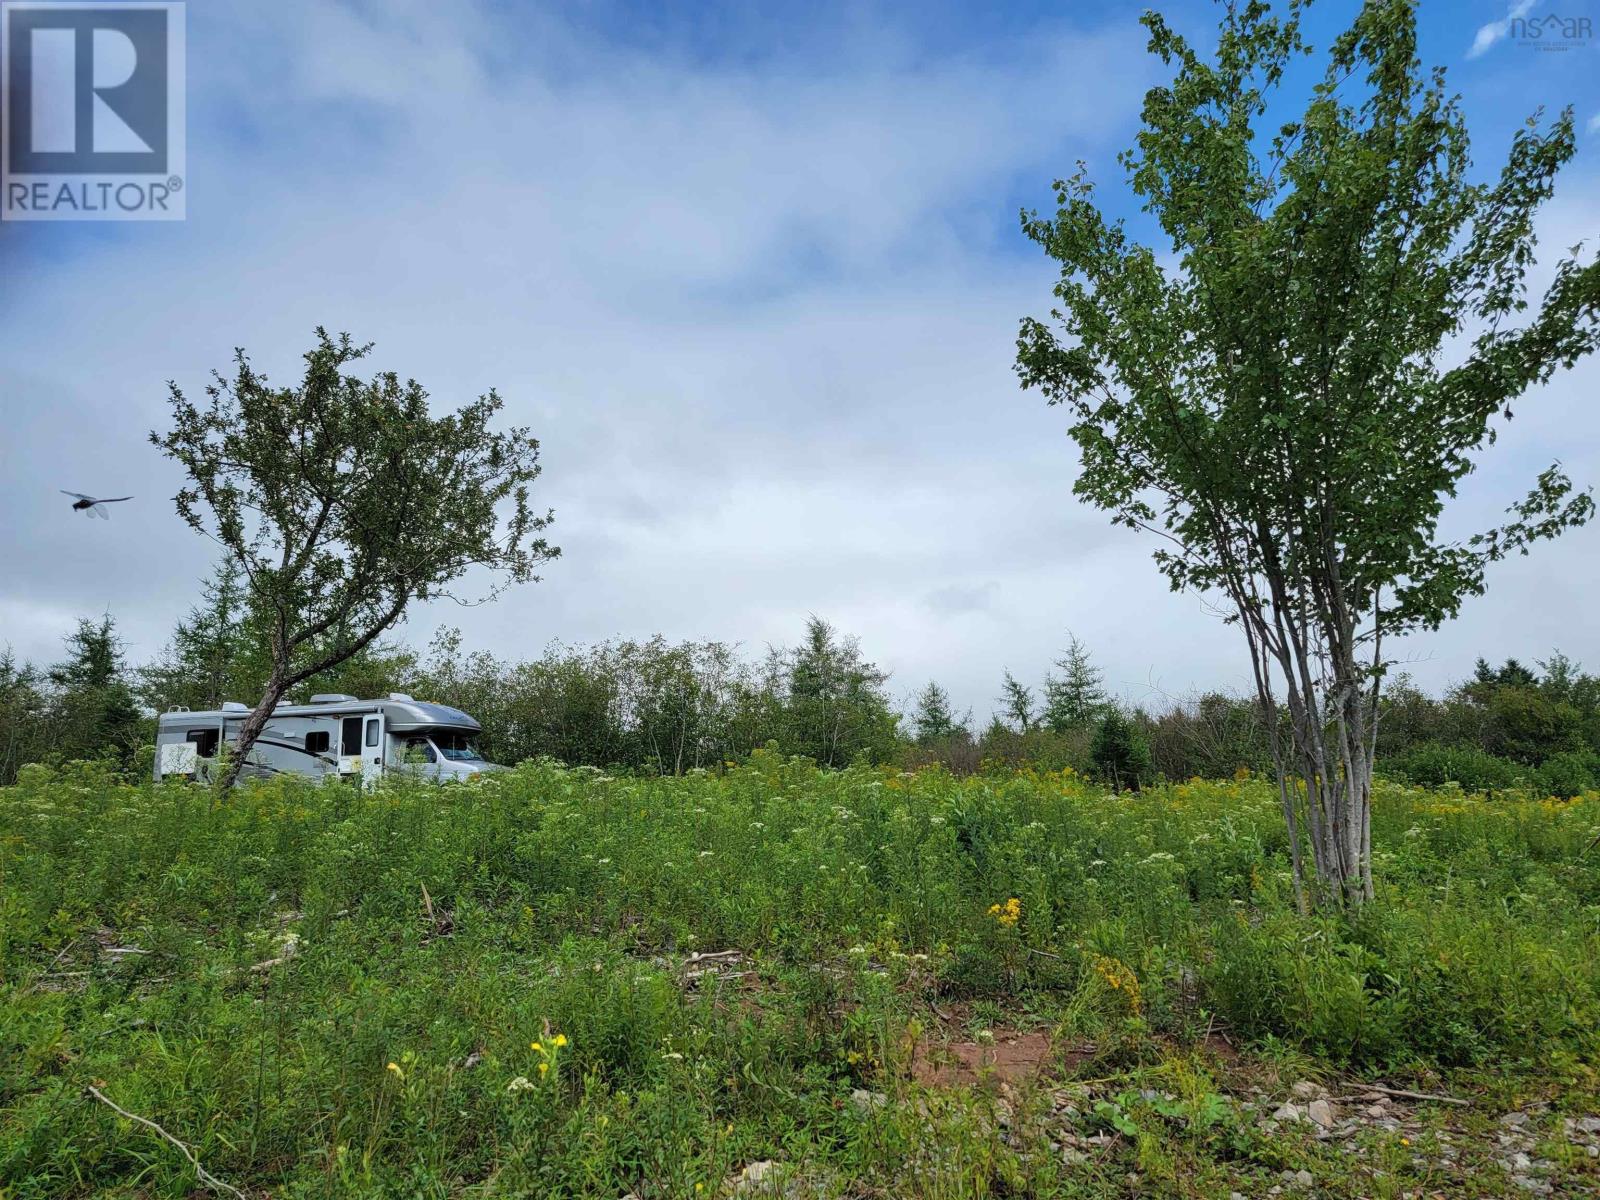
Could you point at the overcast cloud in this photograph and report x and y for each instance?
(754, 284)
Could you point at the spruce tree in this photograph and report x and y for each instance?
(94, 710)
(1077, 697)
(1017, 703)
(1120, 752)
(932, 718)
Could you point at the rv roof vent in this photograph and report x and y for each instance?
(234, 706)
(401, 697)
(331, 698)
(178, 708)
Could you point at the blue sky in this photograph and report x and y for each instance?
(753, 274)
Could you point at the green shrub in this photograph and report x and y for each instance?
(1568, 775)
(1434, 765)
(1120, 752)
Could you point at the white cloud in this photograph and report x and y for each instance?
(1594, 124)
(1496, 31)
(751, 312)
(761, 316)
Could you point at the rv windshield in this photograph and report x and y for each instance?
(455, 746)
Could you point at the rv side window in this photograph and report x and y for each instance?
(351, 735)
(420, 750)
(205, 741)
(372, 731)
(317, 743)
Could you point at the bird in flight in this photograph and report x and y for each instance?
(89, 506)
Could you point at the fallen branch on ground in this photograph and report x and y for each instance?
(1402, 1094)
(203, 1175)
(290, 947)
(47, 973)
(711, 956)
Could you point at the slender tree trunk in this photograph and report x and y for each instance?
(251, 729)
(1335, 765)
(1328, 751)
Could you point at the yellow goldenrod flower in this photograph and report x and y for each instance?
(1008, 914)
(536, 1047)
(1120, 978)
(543, 1067)
(560, 1039)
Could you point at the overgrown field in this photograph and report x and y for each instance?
(555, 983)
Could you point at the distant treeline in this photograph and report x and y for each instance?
(666, 707)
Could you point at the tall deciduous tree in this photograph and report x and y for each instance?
(345, 500)
(1291, 396)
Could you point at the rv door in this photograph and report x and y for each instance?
(350, 748)
(372, 750)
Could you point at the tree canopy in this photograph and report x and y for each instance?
(1077, 696)
(344, 500)
(1290, 389)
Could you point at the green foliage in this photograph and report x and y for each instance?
(668, 707)
(1016, 704)
(1075, 698)
(82, 707)
(1475, 770)
(1270, 389)
(1512, 712)
(215, 654)
(221, 650)
(932, 718)
(834, 703)
(1522, 724)
(1120, 753)
(1287, 375)
(343, 501)
(94, 708)
(1565, 682)
(1211, 737)
(244, 973)
(1567, 775)
(1041, 748)
(24, 716)
(1564, 776)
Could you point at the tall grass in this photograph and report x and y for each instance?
(418, 940)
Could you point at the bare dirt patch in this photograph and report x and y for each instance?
(1011, 1057)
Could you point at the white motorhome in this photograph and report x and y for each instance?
(334, 735)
